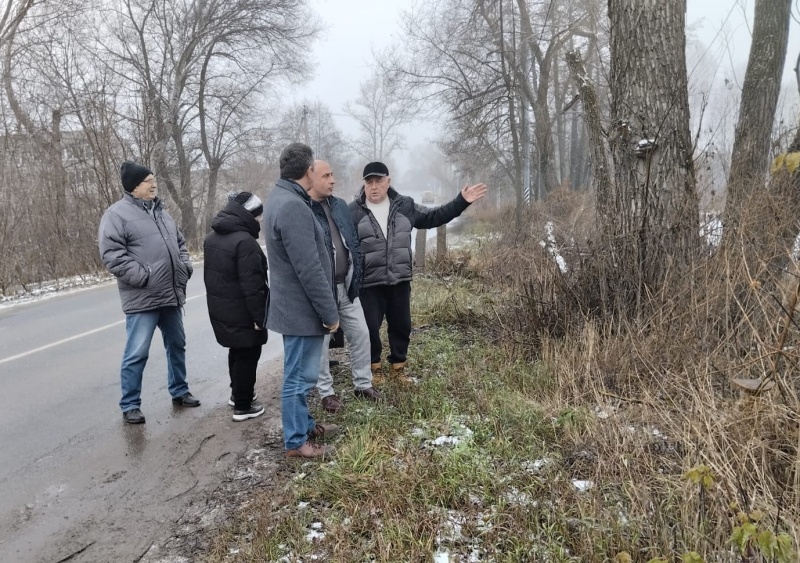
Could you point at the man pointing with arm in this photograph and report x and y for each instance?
(384, 220)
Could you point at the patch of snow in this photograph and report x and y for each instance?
(536, 465)
(302, 504)
(441, 557)
(316, 532)
(418, 432)
(582, 485)
(47, 290)
(457, 435)
(515, 496)
(549, 244)
(444, 440)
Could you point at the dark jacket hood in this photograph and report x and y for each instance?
(235, 218)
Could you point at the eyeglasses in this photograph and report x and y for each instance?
(149, 181)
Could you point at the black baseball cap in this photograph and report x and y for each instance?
(375, 169)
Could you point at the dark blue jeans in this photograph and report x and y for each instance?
(140, 328)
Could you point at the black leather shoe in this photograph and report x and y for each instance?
(134, 416)
(186, 401)
(369, 393)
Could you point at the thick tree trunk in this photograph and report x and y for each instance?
(211, 197)
(762, 83)
(654, 208)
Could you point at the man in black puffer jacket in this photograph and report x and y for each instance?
(237, 293)
(384, 220)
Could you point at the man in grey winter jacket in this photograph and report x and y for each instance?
(142, 246)
(302, 304)
(384, 220)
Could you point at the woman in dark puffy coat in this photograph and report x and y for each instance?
(237, 292)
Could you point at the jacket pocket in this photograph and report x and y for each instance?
(182, 275)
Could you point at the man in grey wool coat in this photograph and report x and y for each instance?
(302, 300)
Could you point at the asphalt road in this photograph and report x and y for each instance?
(73, 476)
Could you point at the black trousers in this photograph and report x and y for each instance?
(394, 303)
(242, 364)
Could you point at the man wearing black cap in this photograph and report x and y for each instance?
(142, 246)
(384, 220)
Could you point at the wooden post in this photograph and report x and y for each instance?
(419, 250)
(441, 241)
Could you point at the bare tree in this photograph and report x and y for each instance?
(458, 65)
(164, 47)
(489, 65)
(12, 15)
(380, 111)
(32, 58)
(760, 92)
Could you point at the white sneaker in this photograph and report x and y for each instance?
(232, 403)
(256, 409)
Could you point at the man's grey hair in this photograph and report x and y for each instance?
(296, 159)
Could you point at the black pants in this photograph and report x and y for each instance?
(242, 364)
(394, 303)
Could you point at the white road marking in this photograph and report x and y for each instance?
(71, 338)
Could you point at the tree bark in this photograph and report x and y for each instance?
(655, 207)
(601, 180)
(762, 83)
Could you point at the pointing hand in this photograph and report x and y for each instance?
(473, 193)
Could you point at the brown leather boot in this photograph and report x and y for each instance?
(309, 450)
(377, 373)
(323, 431)
(398, 373)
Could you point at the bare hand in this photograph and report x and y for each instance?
(332, 328)
(473, 193)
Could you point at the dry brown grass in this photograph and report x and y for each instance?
(663, 373)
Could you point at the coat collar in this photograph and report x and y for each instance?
(157, 204)
(362, 198)
(294, 187)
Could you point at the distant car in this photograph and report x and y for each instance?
(427, 197)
